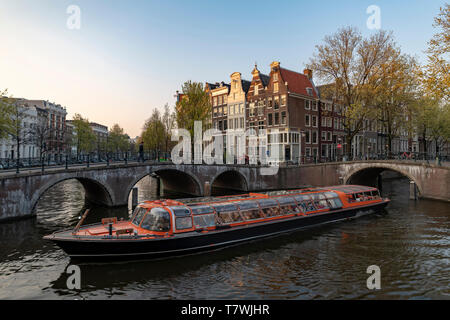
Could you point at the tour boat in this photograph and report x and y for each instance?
(163, 228)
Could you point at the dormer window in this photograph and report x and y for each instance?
(309, 90)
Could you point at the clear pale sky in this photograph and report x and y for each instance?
(130, 57)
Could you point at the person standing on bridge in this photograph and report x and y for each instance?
(141, 152)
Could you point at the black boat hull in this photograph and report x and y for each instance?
(190, 243)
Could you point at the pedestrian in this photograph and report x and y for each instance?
(141, 151)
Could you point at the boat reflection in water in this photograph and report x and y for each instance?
(163, 228)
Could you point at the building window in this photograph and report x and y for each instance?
(307, 120)
(275, 87)
(329, 122)
(324, 150)
(261, 109)
(276, 103)
(307, 105)
(277, 118)
(324, 135)
(324, 121)
(270, 119)
(314, 105)
(308, 152)
(252, 109)
(275, 77)
(261, 125)
(314, 121)
(308, 136)
(314, 137)
(309, 90)
(283, 117)
(256, 90)
(283, 100)
(330, 136)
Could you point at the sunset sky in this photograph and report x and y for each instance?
(130, 57)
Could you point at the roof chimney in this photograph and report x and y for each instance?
(308, 73)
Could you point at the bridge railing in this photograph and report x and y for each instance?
(87, 160)
(82, 160)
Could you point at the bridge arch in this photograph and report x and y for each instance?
(368, 175)
(230, 179)
(95, 191)
(173, 179)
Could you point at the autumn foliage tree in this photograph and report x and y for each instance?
(436, 73)
(352, 63)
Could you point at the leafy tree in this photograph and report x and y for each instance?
(118, 141)
(168, 120)
(194, 106)
(19, 132)
(154, 133)
(436, 73)
(432, 120)
(394, 93)
(84, 138)
(350, 62)
(6, 113)
(41, 133)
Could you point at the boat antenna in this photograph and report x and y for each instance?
(77, 227)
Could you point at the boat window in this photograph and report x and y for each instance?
(201, 209)
(249, 210)
(287, 205)
(180, 211)
(368, 196)
(321, 204)
(183, 223)
(157, 219)
(269, 207)
(302, 197)
(376, 194)
(228, 217)
(302, 207)
(309, 206)
(245, 205)
(138, 215)
(226, 207)
(204, 220)
(335, 203)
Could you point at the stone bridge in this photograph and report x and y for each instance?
(111, 185)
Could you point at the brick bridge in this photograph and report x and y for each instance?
(111, 185)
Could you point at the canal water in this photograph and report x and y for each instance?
(410, 242)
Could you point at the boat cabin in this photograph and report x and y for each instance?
(169, 217)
